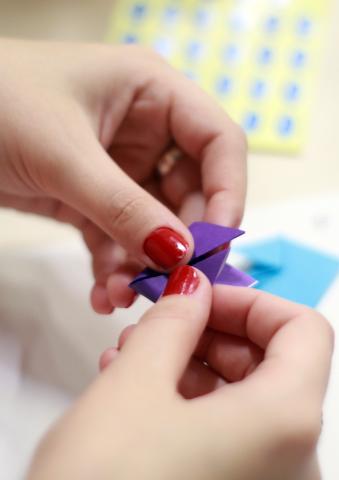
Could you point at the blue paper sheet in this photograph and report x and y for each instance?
(290, 269)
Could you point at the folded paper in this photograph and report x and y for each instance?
(212, 247)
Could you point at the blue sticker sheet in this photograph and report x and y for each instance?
(290, 269)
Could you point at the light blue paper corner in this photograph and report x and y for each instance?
(290, 269)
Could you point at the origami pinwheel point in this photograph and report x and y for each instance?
(210, 254)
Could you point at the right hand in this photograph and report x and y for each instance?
(241, 401)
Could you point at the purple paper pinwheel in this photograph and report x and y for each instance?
(210, 255)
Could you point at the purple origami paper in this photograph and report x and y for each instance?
(210, 255)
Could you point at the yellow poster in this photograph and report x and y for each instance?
(259, 58)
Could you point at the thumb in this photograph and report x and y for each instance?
(97, 187)
(167, 334)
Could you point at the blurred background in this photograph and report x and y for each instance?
(84, 20)
(49, 338)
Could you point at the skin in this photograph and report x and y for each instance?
(204, 381)
(85, 131)
(223, 384)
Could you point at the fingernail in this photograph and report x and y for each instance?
(165, 247)
(183, 280)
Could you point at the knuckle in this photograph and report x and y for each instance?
(322, 324)
(126, 211)
(50, 177)
(330, 332)
(238, 214)
(325, 325)
(305, 433)
(300, 431)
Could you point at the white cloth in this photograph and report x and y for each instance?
(50, 342)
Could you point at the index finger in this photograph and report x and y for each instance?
(203, 130)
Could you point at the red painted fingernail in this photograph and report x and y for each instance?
(182, 281)
(165, 247)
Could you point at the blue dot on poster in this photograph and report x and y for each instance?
(224, 85)
(171, 14)
(202, 17)
(258, 89)
(298, 59)
(251, 122)
(265, 56)
(231, 53)
(139, 11)
(130, 38)
(304, 26)
(195, 50)
(292, 92)
(286, 126)
(272, 24)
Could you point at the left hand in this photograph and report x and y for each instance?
(247, 407)
(83, 129)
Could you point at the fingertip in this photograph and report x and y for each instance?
(224, 209)
(124, 335)
(118, 291)
(107, 357)
(100, 301)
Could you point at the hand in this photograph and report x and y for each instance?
(246, 406)
(84, 131)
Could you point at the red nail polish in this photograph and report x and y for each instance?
(165, 247)
(182, 281)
